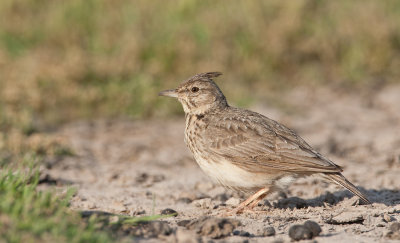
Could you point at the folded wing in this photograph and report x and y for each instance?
(257, 143)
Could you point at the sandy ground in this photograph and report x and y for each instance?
(143, 167)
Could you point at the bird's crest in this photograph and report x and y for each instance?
(208, 75)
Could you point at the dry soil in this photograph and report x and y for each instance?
(140, 168)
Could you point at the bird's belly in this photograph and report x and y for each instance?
(232, 176)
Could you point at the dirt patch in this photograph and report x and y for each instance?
(143, 167)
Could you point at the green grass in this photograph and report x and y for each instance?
(67, 60)
(29, 215)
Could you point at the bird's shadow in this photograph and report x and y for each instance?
(387, 197)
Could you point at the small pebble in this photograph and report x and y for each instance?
(293, 202)
(300, 232)
(395, 227)
(185, 200)
(183, 223)
(346, 218)
(267, 231)
(142, 177)
(241, 233)
(330, 198)
(386, 218)
(313, 227)
(169, 211)
(394, 231)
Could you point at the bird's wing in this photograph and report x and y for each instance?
(257, 143)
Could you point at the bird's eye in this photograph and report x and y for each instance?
(194, 89)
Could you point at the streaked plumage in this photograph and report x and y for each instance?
(245, 150)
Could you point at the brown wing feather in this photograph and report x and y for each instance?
(257, 143)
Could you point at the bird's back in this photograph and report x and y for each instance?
(253, 142)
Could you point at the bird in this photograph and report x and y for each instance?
(244, 150)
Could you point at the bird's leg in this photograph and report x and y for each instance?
(256, 201)
(251, 201)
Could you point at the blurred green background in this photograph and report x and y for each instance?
(79, 59)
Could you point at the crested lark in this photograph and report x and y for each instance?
(244, 150)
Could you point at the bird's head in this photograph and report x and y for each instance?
(199, 94)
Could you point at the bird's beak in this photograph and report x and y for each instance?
(170, 93)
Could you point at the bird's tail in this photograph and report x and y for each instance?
(341, 180)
